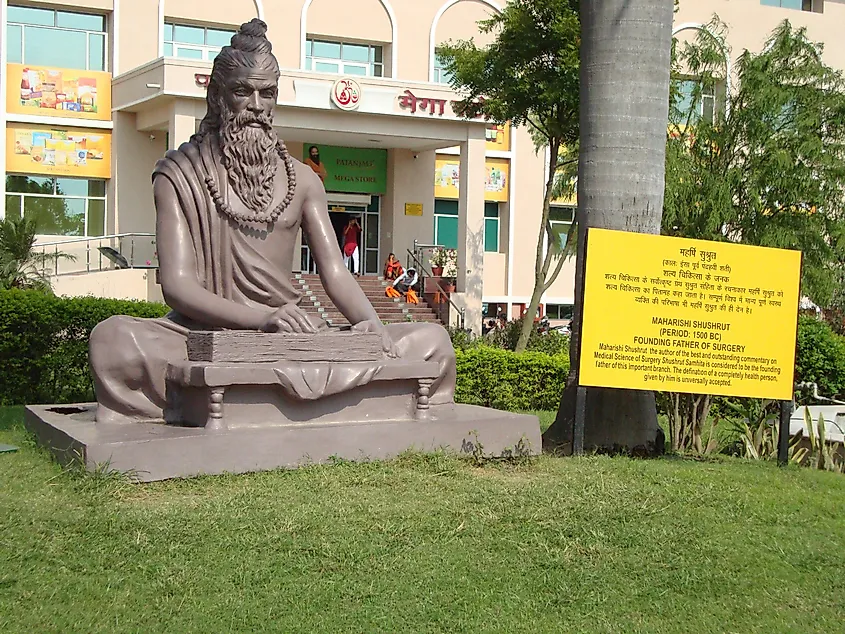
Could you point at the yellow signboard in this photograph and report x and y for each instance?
(692, 316)
(58, 152)
(413, 209)
(447, 173)
(58, 92)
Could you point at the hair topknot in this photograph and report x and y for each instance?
(252, 37)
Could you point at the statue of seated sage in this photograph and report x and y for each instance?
(229, 205)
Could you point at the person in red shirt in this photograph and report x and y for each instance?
(350, 245)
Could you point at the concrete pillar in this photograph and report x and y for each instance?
(181, 126)
(471, 227)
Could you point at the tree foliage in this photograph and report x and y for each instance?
(769, 168)
(529, 76)
(21, 265)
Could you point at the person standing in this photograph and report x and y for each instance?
(350, 245)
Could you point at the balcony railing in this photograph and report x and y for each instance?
(101, 253)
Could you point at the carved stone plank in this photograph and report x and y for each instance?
(240, 346)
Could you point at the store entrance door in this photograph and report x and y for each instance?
(368, 246)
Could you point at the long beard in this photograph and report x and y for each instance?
(250, 157)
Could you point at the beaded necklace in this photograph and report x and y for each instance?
(266, 217)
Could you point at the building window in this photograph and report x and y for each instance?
(491, 227)
(343, 58)
(560, 217)
(441, 75)
(59, 206)
(194, 42)
(703, 100)
(46, 37)
(559, 311)
(446, 223)
(802, 5)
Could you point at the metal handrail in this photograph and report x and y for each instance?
(93, 238)
(87, 240)
(427, 273)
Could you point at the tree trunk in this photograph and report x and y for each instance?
(625, 59)
(544, 255)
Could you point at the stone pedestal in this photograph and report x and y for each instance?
(158, 451)
(246, 401)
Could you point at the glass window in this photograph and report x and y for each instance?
(330, 50)
(356, 53)
(44, 37)
(188, 34)
(559, 311)
(322, 67)
(53, 47)
(441, 76)
(62, 206)
(491, 227)
(218, 37)
(491, 235)
(28, 15)
(446, 207)
(13, 206)
(96, 218)
(342, 58)
(194, 42)
(96, 51)
(446, 231)
(786, 4)
(14, 43)
(698, 99)
(81, 21)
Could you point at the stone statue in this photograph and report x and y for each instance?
(229, 204)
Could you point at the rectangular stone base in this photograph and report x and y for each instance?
(156, 451)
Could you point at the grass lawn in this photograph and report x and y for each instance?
(424, 544)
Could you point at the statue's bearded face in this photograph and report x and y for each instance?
(247, 138)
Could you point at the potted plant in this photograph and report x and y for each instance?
(450, 269)
(438, 261)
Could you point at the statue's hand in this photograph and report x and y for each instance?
(288, 318)
(378, 328)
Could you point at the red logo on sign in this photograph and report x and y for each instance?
(346, 93)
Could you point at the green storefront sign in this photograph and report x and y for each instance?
(348, 169)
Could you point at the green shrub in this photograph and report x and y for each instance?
(820, 356)
(510, 381)
(44, 343)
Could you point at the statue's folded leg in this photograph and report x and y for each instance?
(428, 342)
(129, 357)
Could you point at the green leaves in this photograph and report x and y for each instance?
(769, 168)
(529, 74)
(21, 265)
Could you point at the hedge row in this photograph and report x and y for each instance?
(506, 380)
(44, 344)
(44, 356)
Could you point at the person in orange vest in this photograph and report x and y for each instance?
(404, 285)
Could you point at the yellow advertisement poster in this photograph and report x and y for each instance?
(499, 137)
(447, 173)
(413, 209)
(58, 92)
(692, 316)
(58, 152)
